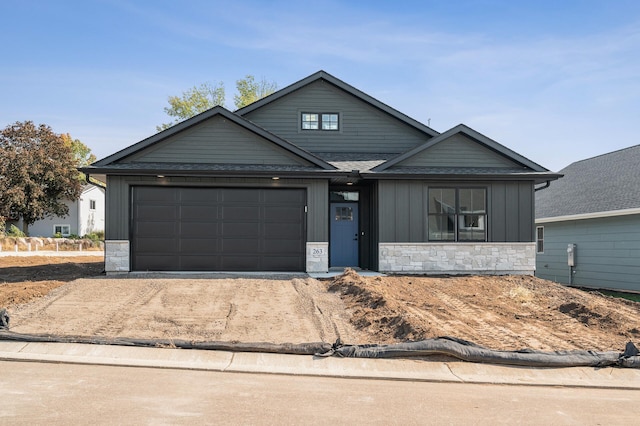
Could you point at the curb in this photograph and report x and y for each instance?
(304, 365)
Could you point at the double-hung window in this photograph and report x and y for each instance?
(320, 121)
(457, 214)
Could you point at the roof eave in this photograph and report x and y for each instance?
(537, 178)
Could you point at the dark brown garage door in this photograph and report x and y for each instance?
(218, 229)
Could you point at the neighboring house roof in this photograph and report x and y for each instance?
(607, 184)
(109, 162)
(323, 75)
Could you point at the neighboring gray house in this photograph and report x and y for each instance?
(318, 175)
(596, 207)
(86, 215)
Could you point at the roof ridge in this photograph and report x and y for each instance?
(604, 154)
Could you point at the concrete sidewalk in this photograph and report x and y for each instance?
(265, 363)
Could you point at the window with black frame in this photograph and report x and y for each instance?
(457, 214)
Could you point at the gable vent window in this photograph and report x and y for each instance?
(320, 121)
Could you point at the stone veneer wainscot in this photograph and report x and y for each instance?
(458, 258)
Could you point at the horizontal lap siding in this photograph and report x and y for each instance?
(607, 252)
(363, 128)
(217, 140)
(457, 151)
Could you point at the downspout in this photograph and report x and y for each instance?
(103, 187)
(546, 185)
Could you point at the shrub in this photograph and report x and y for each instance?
(95, 236)
(13, 231)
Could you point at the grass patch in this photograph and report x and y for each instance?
(621, 294)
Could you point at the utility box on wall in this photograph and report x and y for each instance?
(571, 253)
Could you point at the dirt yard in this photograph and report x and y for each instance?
(67, 296)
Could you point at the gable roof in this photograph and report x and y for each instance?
(323, 75)
(521, 165)
(110, 161)
(607, 184)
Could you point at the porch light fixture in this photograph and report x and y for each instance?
(275, 178)
(160, 176)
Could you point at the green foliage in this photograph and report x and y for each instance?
(95, 236)
(250, 90)
(206, 96)
(14, 231)
(37, 173)
(57, 235)
(82, 155)
(192, 102)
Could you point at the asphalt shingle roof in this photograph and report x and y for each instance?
(604, 183)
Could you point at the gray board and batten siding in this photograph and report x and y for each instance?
(362, 127)
(404, 205)
(607, 252)
(119, 199)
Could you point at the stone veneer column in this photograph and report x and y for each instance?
(317, 257)
(116, 256)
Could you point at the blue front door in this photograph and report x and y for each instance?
(344, 234)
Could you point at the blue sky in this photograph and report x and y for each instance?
(556, 81)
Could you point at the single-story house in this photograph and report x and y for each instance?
(588, 223)
(314, 176)
(86, 215)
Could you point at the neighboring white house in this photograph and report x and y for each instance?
(86, 215)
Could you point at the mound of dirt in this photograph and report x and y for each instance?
(499, 312)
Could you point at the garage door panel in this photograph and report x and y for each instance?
(236, 230)
(198, 213)
(202, 246)
(233, 229)
(199, 195)
(281, 263)
(156, 245)
(200, 229)
(155, 212)
(240, 263)
(284, 230)
(161, 194)
(239, 246)
(241, 213)
(284, 196)
(241, 195)
(282, 246)
(283, 214)
(200, 263)
(158, 262)
(155, 229)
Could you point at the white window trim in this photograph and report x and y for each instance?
(319, 114)
(62, 226)
(538, 240)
